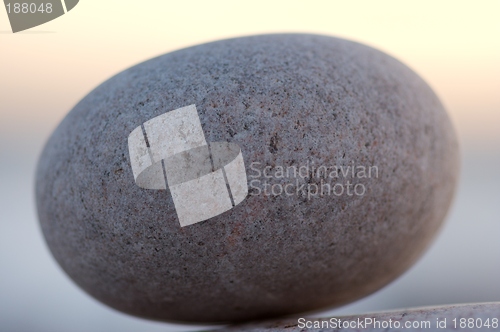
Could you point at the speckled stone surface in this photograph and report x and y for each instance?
(460, 317)
(285, 100)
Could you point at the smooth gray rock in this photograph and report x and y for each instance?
(460, 317)
(285, 100)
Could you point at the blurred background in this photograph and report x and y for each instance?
(45, 71)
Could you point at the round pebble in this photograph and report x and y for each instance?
(247, 178)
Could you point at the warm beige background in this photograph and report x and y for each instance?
(45, 71)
